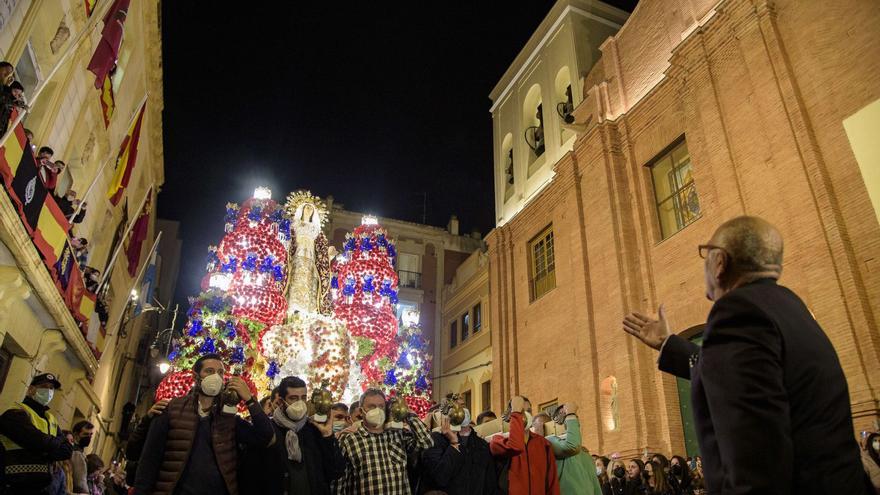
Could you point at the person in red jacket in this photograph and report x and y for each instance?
(528, 458)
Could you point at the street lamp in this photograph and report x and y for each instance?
(164, 366)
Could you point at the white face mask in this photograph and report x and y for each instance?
(375, 417)
(212, 385)
(44, 395)
(297, 410)
(599, 471)
(339, 426)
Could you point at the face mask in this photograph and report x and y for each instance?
(676, 470)
(375, 417)
(876, 445)
(598, 471)
(297, 410)
(44, 395)
(339, 426)
(84, 442)
(619, 472)
(212, 384)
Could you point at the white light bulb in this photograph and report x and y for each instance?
(369, 220)
(164, 367)
(262, 192)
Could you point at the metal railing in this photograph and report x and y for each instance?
(411, 280)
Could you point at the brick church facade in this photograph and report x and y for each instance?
(691, 113)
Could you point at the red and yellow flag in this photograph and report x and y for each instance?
(126, 159)
(50, 233)
(108, 101)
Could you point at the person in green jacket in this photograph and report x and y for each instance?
(574, 465)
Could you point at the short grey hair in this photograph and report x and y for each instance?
(752, 243)
(370, 392)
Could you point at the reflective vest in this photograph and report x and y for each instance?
(22, 462)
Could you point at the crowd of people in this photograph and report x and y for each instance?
(199, 444)
(770, 402)
(74, 209)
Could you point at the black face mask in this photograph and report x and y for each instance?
(619, 472)
(676, 470)
(84, 442)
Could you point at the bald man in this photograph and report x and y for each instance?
(769, 397)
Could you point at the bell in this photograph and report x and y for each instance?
(322, 401)
(456, 416)
(399, 410)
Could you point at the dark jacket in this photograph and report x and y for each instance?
(322, 462)
(184, 452)
(67, 210)
(767, 380)
(134, 447)
(470, 471)
(36, 448)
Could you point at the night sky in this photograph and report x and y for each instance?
(374, 103)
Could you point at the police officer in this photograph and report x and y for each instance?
(32, 439)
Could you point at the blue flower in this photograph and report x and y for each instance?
(230, 266)
(255, 213)
(390, 379)
(422, 383)
(278, 273)
(216, 304)
(195, 327)
(208, 347)
(334, 282)
(250, 262)
(365, 244)
(368, 283)
(273, 370)
(237, 355)
(266, 265)
(276, 215)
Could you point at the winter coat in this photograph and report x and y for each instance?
(577, 472)
(531, 465)
(470, 470)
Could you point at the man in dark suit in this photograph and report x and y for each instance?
(770, 399)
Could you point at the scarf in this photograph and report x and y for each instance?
(291, 440)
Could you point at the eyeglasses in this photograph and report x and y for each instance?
(704, 249)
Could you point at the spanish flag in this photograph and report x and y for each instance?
(12, 155)
(108, 101)
(50, 233)
(126, 159)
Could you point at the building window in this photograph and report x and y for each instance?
(466, 397)
(486, 395)
(409, 271)
(677, 202)
(465, 327)
(478, 317)
(543, 265)
(453, 334)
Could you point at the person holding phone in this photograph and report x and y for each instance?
(191, 447)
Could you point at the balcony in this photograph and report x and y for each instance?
(410, 280)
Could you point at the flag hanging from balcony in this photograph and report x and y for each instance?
(19, 171)
(50, 233)
(90, 7)
(64, 268)
(145, 292)
(108, 101)
(126, 159)
(136, 241)
(106, 54)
